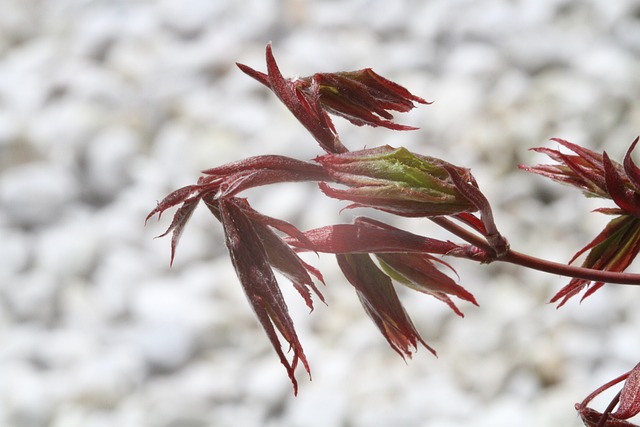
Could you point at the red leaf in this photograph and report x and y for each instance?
(380, 301)
(629, 405)
(591, 418)
(307, 112)
(178, 196)
(586, 155)
(345, 96)
(363, 238)
(250, 261)
(180, 219)
(362, 97)
(261, 77)
(350, 89)
(235, 177)
(284, 259)
(583, 170)
(632, 171)
(613, 249)
(393, 92)
(418, 272)
(270, 162)
(624, 197)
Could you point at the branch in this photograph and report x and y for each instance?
(535, 263)
(540, 264)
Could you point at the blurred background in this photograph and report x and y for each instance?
(108, 105)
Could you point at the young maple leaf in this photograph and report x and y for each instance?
(228, 180)
(623, 185)
(254, 246)
(396, 180)
(403, 256)
(627, 400)
(381, 303)
(591, 418)
(584, 169)
(418, 272)
(366, 235)
(613, 250)
(629, 405)
(362, 97)
(255, 249)
(598, 176)
(189, 196)
(403, 183)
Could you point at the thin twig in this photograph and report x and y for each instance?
(514, 257)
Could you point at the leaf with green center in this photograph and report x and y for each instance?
(396, 181)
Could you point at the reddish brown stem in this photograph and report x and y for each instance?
(535, 263)
(540, 264)
(605, 414)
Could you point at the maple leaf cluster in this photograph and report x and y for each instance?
(374, 256)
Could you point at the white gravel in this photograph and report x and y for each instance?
(106, 106)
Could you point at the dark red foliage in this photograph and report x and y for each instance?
(592, 418)
(627, 400)
(613, 249)
(373, 255)
(597, 175)
(362, 97)
(250, 243)
(369, 236)
(584, 169)
(404, 257)
(381, 303)
(255, 241)
(629, 405)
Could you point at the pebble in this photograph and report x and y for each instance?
(36, 193)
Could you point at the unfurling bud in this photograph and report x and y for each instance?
(397, 181)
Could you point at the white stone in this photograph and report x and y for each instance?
(15, 252)
(109, 161)
(36, 193)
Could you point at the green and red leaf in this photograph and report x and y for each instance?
(396, 181)
(419, 272)
(613, 250)
(381, 303)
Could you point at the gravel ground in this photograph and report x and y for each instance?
(106, 106)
